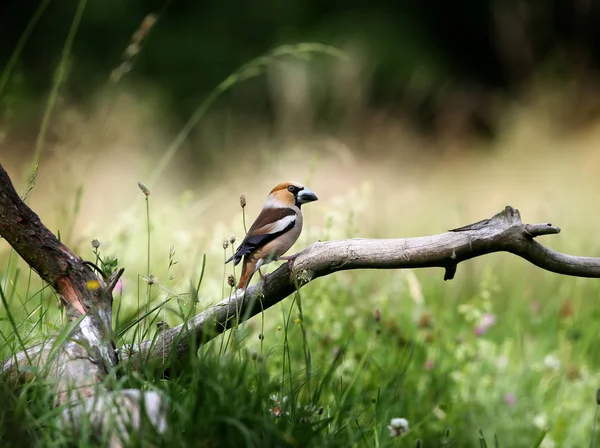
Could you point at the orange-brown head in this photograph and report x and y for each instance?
(288, 194)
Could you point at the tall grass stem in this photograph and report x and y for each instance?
(59, 77)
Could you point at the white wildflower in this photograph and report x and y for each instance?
(310, 412)
(437, 411)
(398, 426)
(552, 362)
(541, 421)
(502, 362)
(547, 443)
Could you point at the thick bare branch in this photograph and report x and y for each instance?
(89, 352)
(80, 365)
(503, 232)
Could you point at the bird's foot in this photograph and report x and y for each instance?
(290, 259)
(263, 279)
(264, 284)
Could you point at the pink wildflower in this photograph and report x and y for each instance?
(277, 409)
(486, 322)
(510, 399)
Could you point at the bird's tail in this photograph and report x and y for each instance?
(237, 257)
(247, 273)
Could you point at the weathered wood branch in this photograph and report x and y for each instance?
(503, 232)
(83, 293)
(80, 365)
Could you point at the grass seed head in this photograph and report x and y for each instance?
(151, 279)
(144, 189)
(231, 280)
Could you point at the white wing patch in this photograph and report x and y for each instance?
(281, 224)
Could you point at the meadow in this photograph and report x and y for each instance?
(503, 355)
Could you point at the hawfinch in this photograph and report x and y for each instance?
(274, 231)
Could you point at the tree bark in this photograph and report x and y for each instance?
(86, 297)
(88, 353)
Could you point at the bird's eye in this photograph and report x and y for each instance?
(291, 188)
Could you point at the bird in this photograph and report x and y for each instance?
(274, 231)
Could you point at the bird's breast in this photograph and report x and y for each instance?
(282, 243)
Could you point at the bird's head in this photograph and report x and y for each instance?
(287, 194)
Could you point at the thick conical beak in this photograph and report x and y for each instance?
(305, 195)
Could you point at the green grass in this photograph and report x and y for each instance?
(365, 347)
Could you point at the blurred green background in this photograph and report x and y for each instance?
(435, 115)
(417, 58)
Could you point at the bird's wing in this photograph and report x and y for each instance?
(270, 223)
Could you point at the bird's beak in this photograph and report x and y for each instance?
(305, 195)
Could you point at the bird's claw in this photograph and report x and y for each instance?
(263, 279)
(290, 260)
(264, 284)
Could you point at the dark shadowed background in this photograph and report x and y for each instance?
(406, 118)
(420, 57)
